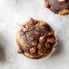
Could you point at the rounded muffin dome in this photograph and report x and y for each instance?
(58, 6)
(35, 39)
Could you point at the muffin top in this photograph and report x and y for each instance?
(38, 37)
(58, 5)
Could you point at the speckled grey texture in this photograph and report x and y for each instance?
(13, 13)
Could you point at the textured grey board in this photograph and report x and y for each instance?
(13, 13)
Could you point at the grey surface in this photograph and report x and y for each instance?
(13, 13)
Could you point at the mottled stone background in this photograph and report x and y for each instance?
(14, 12)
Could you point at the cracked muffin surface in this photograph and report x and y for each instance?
(35, 39)
(58, 6)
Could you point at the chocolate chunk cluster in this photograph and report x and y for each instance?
(58, 6)
(38, 38)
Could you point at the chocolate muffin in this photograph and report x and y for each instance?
(35, 39)
(58, 6)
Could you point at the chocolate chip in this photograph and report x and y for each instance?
(19, 51)
(36, 33)
(26, 26)
(24, 29)
(39, 46)
(61, 0)
(53, 9)
(21, 32)
(33, 21)
(34, 43)
(37, 28)
(51, 40)
(26, 49)
(51, 33)
(41, 50)
(33, 50)
(42, 23)
(48, 46)
(24, 37)
(47, 4)
(42, 39)
(31, 38)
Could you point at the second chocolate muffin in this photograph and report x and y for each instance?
(58, 6)
(35, 39)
